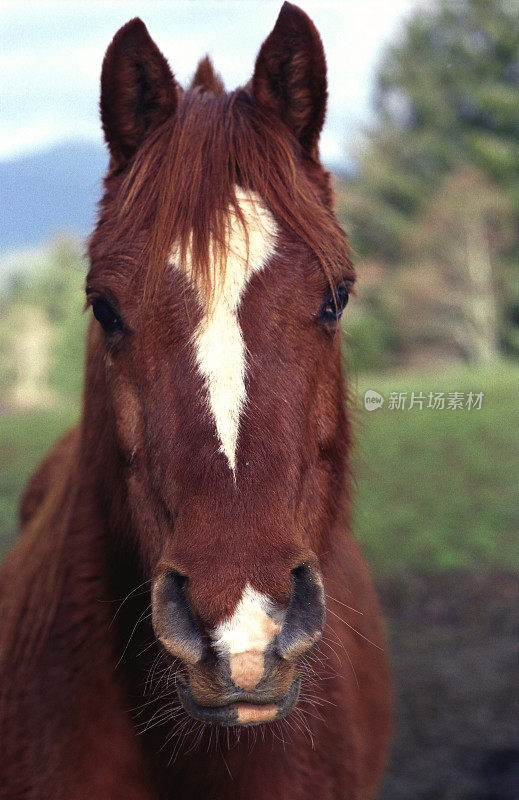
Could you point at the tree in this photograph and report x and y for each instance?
(451, 293)
(42, 330)
(447, 98)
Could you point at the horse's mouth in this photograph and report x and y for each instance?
(239, 713)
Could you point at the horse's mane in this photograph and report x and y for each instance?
(182, 184)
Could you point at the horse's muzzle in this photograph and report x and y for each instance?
(245, 671)
(238, 710)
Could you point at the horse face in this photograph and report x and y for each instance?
(225, 379)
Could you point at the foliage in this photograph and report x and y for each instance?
(452, 291)
(368, 342)
(42, 330)
(371, 339)
(446, 104)
(447, 95)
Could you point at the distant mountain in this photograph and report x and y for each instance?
(50, 192)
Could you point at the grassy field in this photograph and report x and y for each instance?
(439, 489)
(435, 489)
(24, 438)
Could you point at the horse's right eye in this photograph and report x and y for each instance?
(109, 319)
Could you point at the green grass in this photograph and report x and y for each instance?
(24, 439)
(435, 489)
(439, 489)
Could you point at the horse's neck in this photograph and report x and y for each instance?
(59, 642)
(64, 545)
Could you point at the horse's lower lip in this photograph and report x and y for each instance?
(239, 713)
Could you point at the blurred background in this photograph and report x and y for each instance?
(423, 140)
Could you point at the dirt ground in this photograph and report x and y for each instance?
(454, 640)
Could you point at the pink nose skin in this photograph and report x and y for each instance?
(248, 714)
(244, 639)
(247, 669)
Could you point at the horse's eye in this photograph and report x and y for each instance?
(334, 305)
(109, 319)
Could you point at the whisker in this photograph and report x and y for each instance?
(355, 630)
(356, 610)
(130, 594)
(141, 618)
(321, 700)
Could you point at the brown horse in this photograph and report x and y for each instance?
(162, 616)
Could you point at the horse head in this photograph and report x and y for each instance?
(218, 277)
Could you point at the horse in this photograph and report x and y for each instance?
(186, 613)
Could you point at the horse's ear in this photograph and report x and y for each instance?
(138, 91)
(290, 76)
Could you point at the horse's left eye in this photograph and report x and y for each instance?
(334, 305)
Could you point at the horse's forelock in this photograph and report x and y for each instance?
(182, 185)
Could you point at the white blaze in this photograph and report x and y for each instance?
(251, 627)
(243, 638)
(219, 345)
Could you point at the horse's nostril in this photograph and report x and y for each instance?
(179, 580)
(306, 614)
(173, 619)
(299, 572)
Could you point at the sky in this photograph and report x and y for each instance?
(51, 55)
